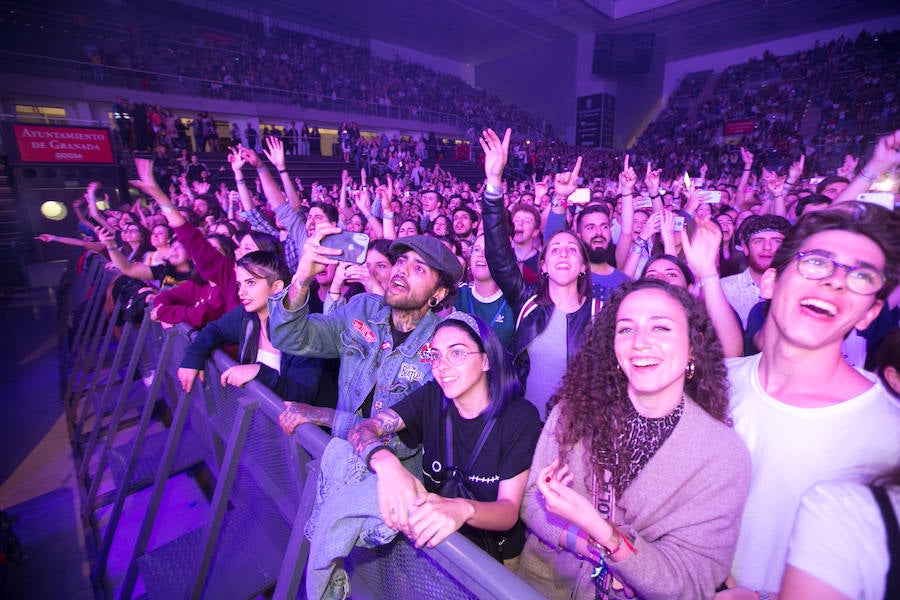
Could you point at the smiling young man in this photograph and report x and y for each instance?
(804, 412)
(760, 236)
(382, 341)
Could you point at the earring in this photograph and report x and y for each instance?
(689, 370)
(544, 275)
(432, 302)
(581, 275)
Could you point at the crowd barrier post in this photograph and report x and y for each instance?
(142, 428)
(120, 406)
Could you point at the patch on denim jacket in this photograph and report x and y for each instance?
(365, 330)
(410, 373)
(425, 353)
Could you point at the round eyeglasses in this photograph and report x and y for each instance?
(455, 357)
(863, 279)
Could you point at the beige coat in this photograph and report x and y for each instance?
(683, 512)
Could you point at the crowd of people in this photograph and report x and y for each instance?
(561, 347)
(668, 373)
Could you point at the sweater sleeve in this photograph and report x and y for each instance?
(298, 380)
(223, 331)
(693, 556)
(193, 304)
(212, 265)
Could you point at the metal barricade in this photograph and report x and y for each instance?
(252, 539)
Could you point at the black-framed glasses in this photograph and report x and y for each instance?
(863, 279)
(455, 357)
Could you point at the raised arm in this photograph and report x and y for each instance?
(627, 179)
(739, 197)
(131, 269)
(885, 157)
(700, 252)
(388, 224)
(501, 258)
(70, 241)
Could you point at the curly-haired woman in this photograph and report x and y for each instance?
(638, 482)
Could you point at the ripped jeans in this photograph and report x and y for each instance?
(345, 514)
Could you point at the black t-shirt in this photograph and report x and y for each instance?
(507, 451)
(167, 276)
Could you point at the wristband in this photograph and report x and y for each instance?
(657, 195)
(282, 170)
(332, 293)
(642, 243)
(387, 215)
(705, 278)
(571, 538)
(495, 191)
(166, 208)
(867, 175)
(376, 447)
(240, 182)
(261, 168)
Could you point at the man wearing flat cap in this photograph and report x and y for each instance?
(382, 341)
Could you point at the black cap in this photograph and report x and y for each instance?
(433, 251)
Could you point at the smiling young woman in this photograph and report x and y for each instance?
(637, 449)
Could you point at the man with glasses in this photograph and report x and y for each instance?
(804, 412)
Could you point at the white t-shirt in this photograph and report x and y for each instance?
(840, 538)
(791, 449)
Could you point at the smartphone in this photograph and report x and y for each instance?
(687, 180)
(353, 246)
(816, 180)
(710, 196)
(885, 199)
(580, 196)
(679, 223)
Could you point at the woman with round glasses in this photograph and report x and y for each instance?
(478, 436)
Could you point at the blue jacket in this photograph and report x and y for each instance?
(359, 333)
(299, 378)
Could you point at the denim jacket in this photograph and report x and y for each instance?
(359, 333)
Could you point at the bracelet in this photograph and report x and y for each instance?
(332, 293)
(790, 183)
(867, 175)
(628, 195)
(763, 596)
(642, 243)
(240, 182)
(166, 208)
(571, 537)
(705, 278)
(657, 195)
(747, 169)
(387, 215)
(282, 170)
(261, 168)
(377, 447)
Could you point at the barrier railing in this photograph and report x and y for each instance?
(252, 540)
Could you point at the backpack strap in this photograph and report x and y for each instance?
(892, 582)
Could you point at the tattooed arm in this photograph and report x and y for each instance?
(397, 488)
(297, 413)
(365, 436)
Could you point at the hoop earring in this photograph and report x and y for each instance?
(433, 302)
(689, 370)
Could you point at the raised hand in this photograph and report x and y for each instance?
(627, 178)
(848, 169)
(275, 152)
(747, 157)
(252, 158)
(496, 152)
(146, 182)
(702, 248)
(651, 179)
(566, 182)
(235, 159)
(795, 171)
